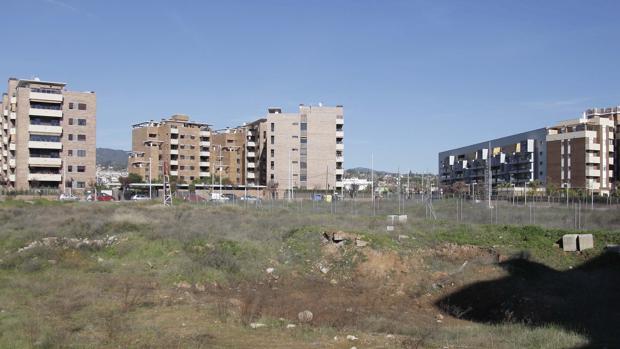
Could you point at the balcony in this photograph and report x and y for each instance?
(12, 131)
(174, 173)
(251, 154)
(44, 145)
(203, 164)
(339, 158)
(44, 177)
(339, 121)
(251, 144)
(205, 153)
(174, 162)
(13, 116)
(5, 112)
(593, 159)
(5, 167)
(12, 146)
(339, 134)
(611, 161)
(45, 129)
(5, 152)
(12, 177)
(46, 97)
(12, 163)
(46, 112)
(174, 141)
(251, 165)
(205, 174)
(339, 146)
(590, 172)
(13, 100)
(205, 133)
(338, 184)
(251, 175)
(250, 133)
(174, 152)
(339, 171)
(593, 146)
(205, 143)
(5, 126)
(174, 130)
(44, 162)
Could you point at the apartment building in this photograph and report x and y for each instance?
(230, 155)
(302, 150)
(517, 159)
(176, 144)
(581, 154)
(48, 136)
(611, 113)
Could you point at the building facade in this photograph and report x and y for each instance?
(230, 152)
(515, 160)
(177, 144)
(298, 151)
(580, 154)
(48, 136)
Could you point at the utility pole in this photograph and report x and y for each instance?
(372, 181)
(150, 181)
(490, 174)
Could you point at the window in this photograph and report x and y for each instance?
(81, 106)
(272, 177)
(82, 122)
(304, 140)
(70, 136)
(272, 139)
(303, 126)
(295, 136)
(192, 157)
(70, 121)
(70, 105)
(152, 135)
(182, 168)
(81, 138)
(182, 157)
(273, 127)
(81, 168)
(182, 136)
(303, 164)
(273, 152)
(69, 168)
(69, 152)
(81, 185)
(303, 178)
(272, 165)
(192, 168)
(81, 153)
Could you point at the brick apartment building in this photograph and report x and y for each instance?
(48, 136)
(302, 150)
(178, 144)
(578, 154)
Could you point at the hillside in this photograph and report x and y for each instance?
(112, 157)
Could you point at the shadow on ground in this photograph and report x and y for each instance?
(585, 299)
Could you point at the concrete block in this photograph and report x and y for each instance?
(402, 218)
(390, 228)
(392, 218)
(585, 242)
(569, 242)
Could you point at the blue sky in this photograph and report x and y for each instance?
(415, 77)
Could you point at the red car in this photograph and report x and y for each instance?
(105, 197)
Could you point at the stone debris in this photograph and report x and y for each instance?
(305, 316)
(291, 326)
(339, 237)
(360, 243)
(270, 270)
(389, 336)
(66, 243)
(402, 237)
(183, 285)
(257, 325)
(390, 228)
(352, 337)
(200, 287)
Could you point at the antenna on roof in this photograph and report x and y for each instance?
(36, 78)
(320, 104)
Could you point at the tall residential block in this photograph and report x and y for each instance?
(177, 144)
(230, 156)
(48, 136)
(611, 113)
(517, 159)
(576, 154)
(580, 154)
(302, 150)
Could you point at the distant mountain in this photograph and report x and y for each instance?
(112, 157)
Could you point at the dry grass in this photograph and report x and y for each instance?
(194, 277)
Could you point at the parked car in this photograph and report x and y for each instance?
(68, 197)
(105, 197)
(140, 197)
(250, 198)
(216, 197)
(231, 197)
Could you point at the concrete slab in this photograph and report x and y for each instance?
(402, 218)
(585, 242)
(569, 242)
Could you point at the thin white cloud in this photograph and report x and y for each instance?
(558, 103)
